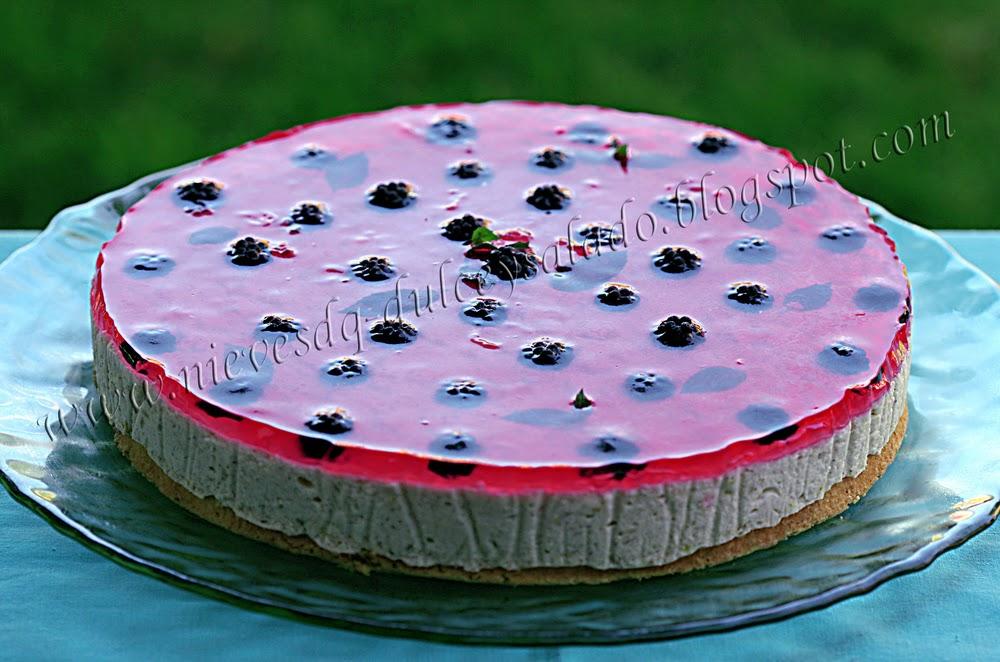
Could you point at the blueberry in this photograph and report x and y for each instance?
(276, 323)
(249, 252)
(373, 268)
(877, 298)
(347, 367)
(311, 156)
(462, 227)
(679, 331)
(676, 260)
(842, 239)
(450, 128)
(467, 170)
(751, 250)
(393, 331)
(392, 195)
(549, 197)
(761, 418)
(749, 294)
(600, 234)
(714, 143)
(617, 294)
(545, 351)
(714, 380)
(485, 310)
(331, 421)
(310, 213)
(146, 265)
(454, 442)
(510, 263)
(843, 358)
(550, 158)
(649, 386)
(198, 191)
(609, 445)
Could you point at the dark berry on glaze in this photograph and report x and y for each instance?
(373, 268)
(319, 449)
(467, 170)
(331, 421)
(450, 469)
(347, 367)
(462, 227)
(249, 252)
(777, 435)
(155, 341)
(549, 197)
(199, 191)
(392, 195)
(279, 324)
(510, 263)
(453, 442)
(451, 127)
(131, 356)
(842, 239)
(216, 411)
(751, 250)
(843, 358)
(550, 158)
(617, 294)
(679, 331)
(484, 308)
(544, 351)
(649, 386)
(149, 264)
(610, 445)
(747, 293)
(311, 155)
(713, 143)
(676, 260)
(393, 331)
(600, 234)
(309, 213)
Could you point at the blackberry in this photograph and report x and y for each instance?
(452, 442)
(279, 324)
(331, 421)
(544, 351)
(467, 170)
(751, 250)
(751, 294)
(199, 191)
(487, 309)
(617, 294)
(451, 128)
(676, 260)
(599, 234)
(550, 158)
(393, 331)
(461, 228)
(347, 367)
(392, 195)
(149, 264)
(713, 143)
(373, 268)
(464, 389)
(319, 449)
(679, 331)
(510, 263)
(842, 239)
(249, 252)
(309, 213)
(549, 197)
(649, 386)
(450, 469)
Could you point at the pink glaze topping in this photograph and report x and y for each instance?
(791, 309)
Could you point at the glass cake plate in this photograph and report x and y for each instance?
(57, 457)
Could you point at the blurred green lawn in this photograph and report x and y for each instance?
(95, 94)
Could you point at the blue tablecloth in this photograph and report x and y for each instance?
(59, 600)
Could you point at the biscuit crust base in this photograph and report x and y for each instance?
(834, 502)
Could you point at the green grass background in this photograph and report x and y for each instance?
(95, 94)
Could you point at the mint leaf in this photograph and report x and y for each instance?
(519, 244)
(483, 236)
(581, 401)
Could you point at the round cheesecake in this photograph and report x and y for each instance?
(505, 342)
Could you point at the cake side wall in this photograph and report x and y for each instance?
(472, 530)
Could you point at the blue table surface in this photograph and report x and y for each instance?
(60, 600)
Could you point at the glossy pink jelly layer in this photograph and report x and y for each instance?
(526, 433)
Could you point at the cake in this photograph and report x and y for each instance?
(505, 342)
